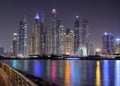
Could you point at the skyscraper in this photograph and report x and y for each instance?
(61, 39)
(52, 37)
(84, 39)
(31, 44)
(23, 39)
(36, 33)
(108, 43)
(117, 46)
(69, 42)
(15, 44)
(77, 37)
(91, 48)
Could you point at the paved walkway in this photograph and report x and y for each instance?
(4, 81)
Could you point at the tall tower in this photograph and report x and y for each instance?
(91, 48)
(37, 31)
(117, 46)
(54, 35)
(69, 42)
(61, 39)
(31, 44)
(108, 43)
(23, 39)
(15, 44)
(84, 42)
(76, 37)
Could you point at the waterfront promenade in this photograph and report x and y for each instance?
(10, 77)
(4, 80)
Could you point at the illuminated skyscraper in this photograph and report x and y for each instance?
(77, 37)
(61, 39)
(117, 46)
(54, 31)
(108, 43)
(23, 39)
(15, 44)
(52, 35)
(84, 39)
(69, 42)
(31, 44)
(36, 33)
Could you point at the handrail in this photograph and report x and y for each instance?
(15, 77)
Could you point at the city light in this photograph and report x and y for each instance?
(98, 50)
(105, 33)
(117, 39)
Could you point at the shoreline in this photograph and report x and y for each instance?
(73, 58)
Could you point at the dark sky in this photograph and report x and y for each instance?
(102, 15)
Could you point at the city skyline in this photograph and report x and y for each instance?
(97, 13)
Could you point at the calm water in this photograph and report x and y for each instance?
(72, 72)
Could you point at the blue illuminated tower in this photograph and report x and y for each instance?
(76, 36)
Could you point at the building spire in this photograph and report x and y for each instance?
(37, 16)
(54, 11)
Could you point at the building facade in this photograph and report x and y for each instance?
(23, 39)
(117, 46)
(15, 44)
(108, 43)
(77, 37)
(69, 42)
(91, 49)
(61, 39)
(84, 39)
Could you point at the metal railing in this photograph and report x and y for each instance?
(15, 77)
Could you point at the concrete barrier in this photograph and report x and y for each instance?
(16, 78)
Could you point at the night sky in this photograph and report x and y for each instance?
(102, 15)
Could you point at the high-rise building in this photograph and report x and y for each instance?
(84, 39)
(23, 39)
(69, 42)
(61, 39)
(31, 44)
(108, 43)
(91, 48)
(52, 37)
(15, 44)
(36, 33)
(77, 37)
(117, 46)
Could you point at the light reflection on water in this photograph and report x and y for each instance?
(117, 73)
(72, 72)
(98, 74)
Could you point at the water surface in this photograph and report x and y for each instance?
(72, 72)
